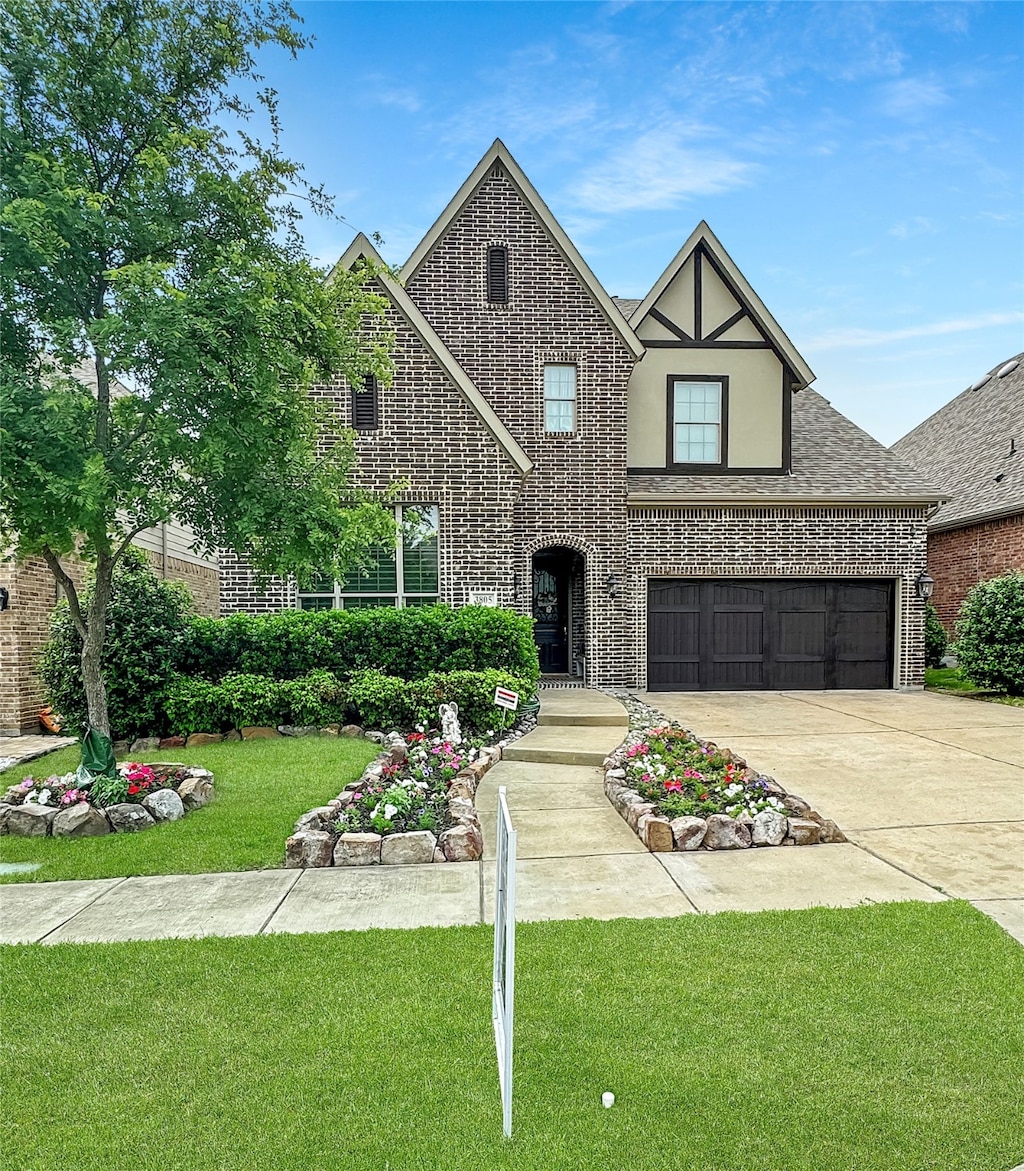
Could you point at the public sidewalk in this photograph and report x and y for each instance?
(576, 856)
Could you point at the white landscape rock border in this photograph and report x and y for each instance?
(83, 820)
(800, 825)
(316, 843)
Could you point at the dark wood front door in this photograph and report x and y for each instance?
(776, 634)
(551, 614)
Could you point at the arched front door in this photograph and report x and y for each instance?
(557, 608)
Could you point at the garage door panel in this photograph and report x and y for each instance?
(771, 633)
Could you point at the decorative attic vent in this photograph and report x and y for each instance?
(497, 275)
(365, 405)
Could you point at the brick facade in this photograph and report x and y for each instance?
(960, 558)
(493, 521)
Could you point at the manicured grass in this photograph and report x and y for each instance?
(881, 1037)
(950, 679)
(261, 787)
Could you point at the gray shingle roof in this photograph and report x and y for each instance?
(833, 461)
(965, 446)
(626, 305)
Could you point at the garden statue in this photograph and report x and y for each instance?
(450, 731)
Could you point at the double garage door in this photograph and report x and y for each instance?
(775, 634)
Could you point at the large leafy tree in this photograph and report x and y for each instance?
(150, 239)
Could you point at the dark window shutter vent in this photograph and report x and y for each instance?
(365, 405)
(497, 275)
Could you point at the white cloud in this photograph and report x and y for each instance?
(404, 99)
(912, 98)
(837, 339)
(917, 225)
(658, 171)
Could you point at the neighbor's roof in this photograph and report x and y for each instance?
(500, 155)
(361, 248)
(834, 462)
(967, 447)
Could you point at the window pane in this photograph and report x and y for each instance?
(697, 417)
(559, 416)
(419, 548)
(421, 601)
(559, 382)
(367, 603)
(698, 402)
(320, 585)
(696, 443)
(316, 603)
(382, 576)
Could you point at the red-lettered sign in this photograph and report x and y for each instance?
(505, 698)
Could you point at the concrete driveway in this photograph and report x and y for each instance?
(931, 784)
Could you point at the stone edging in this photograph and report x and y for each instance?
(83, 820)
(802, 827)
(315, 843)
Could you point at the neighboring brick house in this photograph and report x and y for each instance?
(33, 593)
(652, 480)
(973, 447)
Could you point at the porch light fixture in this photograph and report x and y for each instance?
(517, 586)
(5, 598)
(611, 584)
(925, 585)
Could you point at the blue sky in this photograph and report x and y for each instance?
(862, 163)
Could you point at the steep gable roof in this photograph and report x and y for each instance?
(703, 241)
(362, 249)
(974, 445)
(834, 462)
(499, 155)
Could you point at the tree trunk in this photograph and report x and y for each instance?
(92, 647)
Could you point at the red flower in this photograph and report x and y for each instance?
(132, 790)
(673, 786)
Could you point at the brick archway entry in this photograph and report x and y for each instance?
(558, 608)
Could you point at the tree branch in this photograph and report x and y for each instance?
(60, 573)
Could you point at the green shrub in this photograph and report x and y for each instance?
(243, 701)
(386, 702)
(990, 634)
(196, 705)
(409, 643)
(935, 638)
(146, 622)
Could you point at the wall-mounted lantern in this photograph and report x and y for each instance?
(517, 586)
(925, 585)
(611, 584)
(5, 598)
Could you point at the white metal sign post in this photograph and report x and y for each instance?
(504, 954)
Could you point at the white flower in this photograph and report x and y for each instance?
(390, 811)
(44, 797)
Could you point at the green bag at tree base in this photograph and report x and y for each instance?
(97, 758)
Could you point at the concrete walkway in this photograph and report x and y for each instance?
(18, 749)
(881, 764)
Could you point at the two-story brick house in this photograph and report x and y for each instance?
(653, 481)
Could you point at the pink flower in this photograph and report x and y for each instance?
(673, 786)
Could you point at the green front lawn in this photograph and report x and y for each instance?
(881, 1037)
(260, 788)
(950, 679)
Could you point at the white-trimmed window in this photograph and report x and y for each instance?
(404, 576)
(559, 398)
(697, 417)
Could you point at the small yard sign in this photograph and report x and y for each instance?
(505, 698)
(504, 954)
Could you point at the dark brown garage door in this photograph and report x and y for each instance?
(768, 634)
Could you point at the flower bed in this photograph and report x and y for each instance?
(679, 792)
(139, 797)
(413, 804)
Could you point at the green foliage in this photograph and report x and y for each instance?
(106, 791)
(146, 620)
(990, 634)
(409, 643)
(242, 701)
(935, 638)
(386, 702)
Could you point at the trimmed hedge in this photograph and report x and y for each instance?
(386, 702)
(410, 643)
(241, 701)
